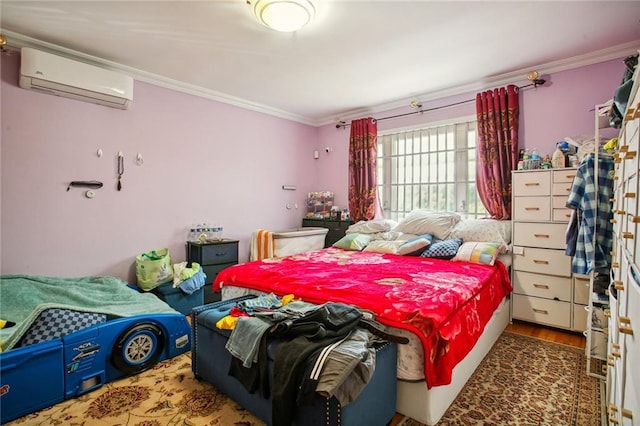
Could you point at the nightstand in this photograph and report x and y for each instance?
(337, 228)
(213, 257)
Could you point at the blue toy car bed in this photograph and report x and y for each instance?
(71, 336)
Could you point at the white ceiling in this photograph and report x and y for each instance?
(357, 56)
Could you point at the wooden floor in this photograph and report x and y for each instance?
(535, 330)
(547, 333)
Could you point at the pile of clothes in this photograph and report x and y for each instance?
(328, 348)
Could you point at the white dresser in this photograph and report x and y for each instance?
(545, 291)
(623, 361)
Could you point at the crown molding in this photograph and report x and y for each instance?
(17, 41)
(513, 77)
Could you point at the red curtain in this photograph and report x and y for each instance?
(497, 151)
(362, 169)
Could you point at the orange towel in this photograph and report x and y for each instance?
(262, 245)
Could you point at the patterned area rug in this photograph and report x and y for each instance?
(167, 395)
(527, 381)
(523, 381)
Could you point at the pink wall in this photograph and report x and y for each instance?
(563, 107)
(203, 161)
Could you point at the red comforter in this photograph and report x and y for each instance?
(447, 304)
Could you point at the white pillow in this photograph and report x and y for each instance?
(483, 230)
(422, 222)
(372, 226)
(382, 246)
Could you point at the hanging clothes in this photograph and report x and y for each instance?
(595, 212)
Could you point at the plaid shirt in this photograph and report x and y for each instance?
(596, 214)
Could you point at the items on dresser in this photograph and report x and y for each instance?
(213, 256)
(545, 290)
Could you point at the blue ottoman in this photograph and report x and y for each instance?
(210, 361)
(179, 300)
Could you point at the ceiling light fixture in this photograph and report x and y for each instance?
(284, 15)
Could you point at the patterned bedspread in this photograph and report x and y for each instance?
(447, 304)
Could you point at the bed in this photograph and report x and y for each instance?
(449, 295)
(73, 335)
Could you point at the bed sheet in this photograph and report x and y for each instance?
(445, 304)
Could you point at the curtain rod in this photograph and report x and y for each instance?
(343, 124)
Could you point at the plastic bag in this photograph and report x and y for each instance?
(153, 268)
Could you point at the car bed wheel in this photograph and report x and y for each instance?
(138, 348)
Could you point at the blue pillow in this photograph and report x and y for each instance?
(443, 249)
(416, 245)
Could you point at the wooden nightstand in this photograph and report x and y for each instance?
(337, 228)
(213, 257)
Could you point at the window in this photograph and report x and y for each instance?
(431, 168)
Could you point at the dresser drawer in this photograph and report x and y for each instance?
(543, 311)
(541, 261)
(580, 315)
(532, 208)
(561, 215)
(561, 189)
(213, 253)
(581, 289)
(565, 175)
(543, 235)
(531, 183)
(539, 285)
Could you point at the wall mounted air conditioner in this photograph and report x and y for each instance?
(64, 77)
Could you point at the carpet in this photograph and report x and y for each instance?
(527, 381)
(522, 381)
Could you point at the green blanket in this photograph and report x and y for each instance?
(24, 297)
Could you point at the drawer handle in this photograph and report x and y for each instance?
(635, 219)
(615, 345)
(624, 325)
(568, 189)
(607, 313)
(570, 176)
(613, 412)
(544, 286)
(629, 155)
(612, 200)
(619, 285)
(630, 195)
(541, 235)
(532, 208)
(532, 184)
(615, 355)
(541, 262)
(624, 148)
(611, 362)
(627, 235)
(613, 221)
(541, 311)
(627, 413)
(625, 329)
(615, 265)
(567, 215)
